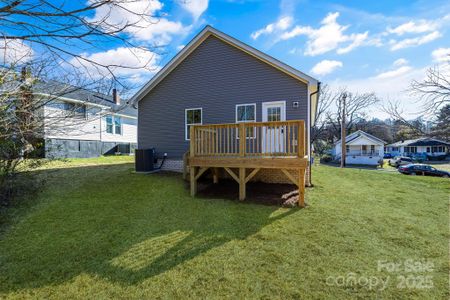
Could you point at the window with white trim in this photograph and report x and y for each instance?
(117, 125)
(192, 116)
(246, 113)
(109, 124)
(113, 124)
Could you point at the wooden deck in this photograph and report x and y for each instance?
(267, 145)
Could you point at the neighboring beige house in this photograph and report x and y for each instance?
(361, 149)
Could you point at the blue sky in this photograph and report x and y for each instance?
(366, 46)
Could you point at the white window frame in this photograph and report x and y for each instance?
(121, 125)
(113, 118)
(106, 124)
(186, 124)
(247, 121)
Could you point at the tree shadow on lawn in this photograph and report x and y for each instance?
(123, 227)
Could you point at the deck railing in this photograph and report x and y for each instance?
(261, 139)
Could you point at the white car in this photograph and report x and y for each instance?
(400, 161)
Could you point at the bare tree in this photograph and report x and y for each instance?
(434, 90)
(356, 106)
(44, 41)
(396, 112)
(61, 31)
(327, 98)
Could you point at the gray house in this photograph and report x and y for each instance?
(218, 79)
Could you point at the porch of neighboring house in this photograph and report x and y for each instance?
(268, 145)
(363, 150)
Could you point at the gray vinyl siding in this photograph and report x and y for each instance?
(216, 77)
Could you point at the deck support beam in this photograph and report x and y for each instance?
(193, 181)
(215, 175)
(251, 175)
(289, 175)
(301, 188)
(200, 172)
(242, 184)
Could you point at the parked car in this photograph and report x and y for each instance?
(420, 169)
(400, 161)
(388, 155)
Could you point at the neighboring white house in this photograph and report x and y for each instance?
(428, 146)
(82, 123)
(361, 148)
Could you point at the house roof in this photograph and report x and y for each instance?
(210, 31)
(419, 142)
(68, 92)
(358, 134)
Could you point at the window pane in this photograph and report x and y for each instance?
(109, 124)
(118, 125)
(194, 116)
(197, 116)
(250, 112)
(241, 113)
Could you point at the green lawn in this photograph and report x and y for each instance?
(101, 231)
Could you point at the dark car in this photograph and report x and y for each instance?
(388, 155)
(400, 161)
(426, 170)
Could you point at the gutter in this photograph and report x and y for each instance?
(310, 126)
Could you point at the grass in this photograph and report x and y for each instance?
(103, 232)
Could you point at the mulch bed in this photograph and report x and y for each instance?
(257, 192)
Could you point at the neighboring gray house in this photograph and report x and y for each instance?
(83, 123)
(218, 79)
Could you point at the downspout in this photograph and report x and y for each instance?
(310, 127)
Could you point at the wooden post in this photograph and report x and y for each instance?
(301, 187)
(192, 174)
(193, 181)
(301, 139)
(343, 133)
(215, 175)
(242, 139)
(241, 184)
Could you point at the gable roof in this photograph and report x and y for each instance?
(67, 92)
(358, 134)
(419, 142)
(210, 31)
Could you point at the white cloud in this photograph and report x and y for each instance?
(400, 67)
(441, 55)
(195, 7)
(358, 40)
(326, 67)
(137, 14)
(387, 88)
(400, 62)
(327, 37)
(416, 41)
(14, 51)
(280, 25)
(394, 73)
(420, 26)
(135, 63)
